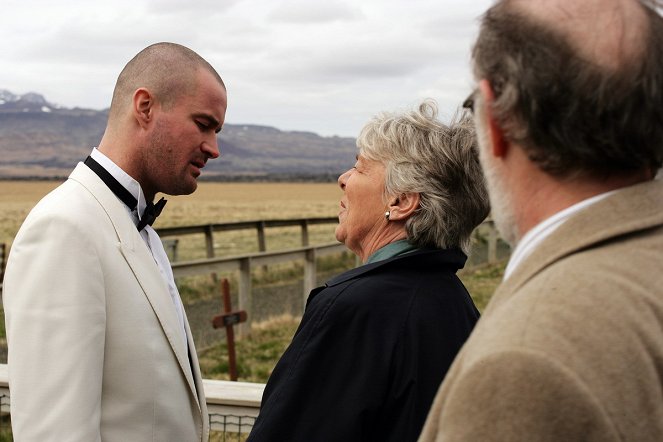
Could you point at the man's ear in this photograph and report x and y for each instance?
(402, 207)
(498, 143)
(143, 107)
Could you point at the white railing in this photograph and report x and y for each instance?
(233, 400)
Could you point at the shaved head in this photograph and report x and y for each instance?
(167, 70)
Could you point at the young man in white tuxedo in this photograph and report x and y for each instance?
(99, 345)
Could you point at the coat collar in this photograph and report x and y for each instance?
(628, 210)
(453, 258)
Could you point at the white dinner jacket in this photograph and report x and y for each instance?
(95, 346)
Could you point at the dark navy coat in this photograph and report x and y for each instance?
(370, 353)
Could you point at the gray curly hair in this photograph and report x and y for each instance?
(439, 162)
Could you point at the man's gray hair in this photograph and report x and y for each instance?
(571, 115)
(439, 162)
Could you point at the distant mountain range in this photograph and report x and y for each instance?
(41, 140)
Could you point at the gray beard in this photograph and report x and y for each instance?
(502, 209)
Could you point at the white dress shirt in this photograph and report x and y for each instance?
(148, 234)
(541, 231)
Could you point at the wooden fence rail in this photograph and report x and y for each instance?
(245, 263)
(233, 399)
(259, 226)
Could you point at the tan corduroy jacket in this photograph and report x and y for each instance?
(570, 348)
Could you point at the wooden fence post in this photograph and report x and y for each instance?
(245, 296)
(170, 246)
(262, 244)
(304, 225)
(310, 277)
(209, 240)
(209, 245)
(492, 243)
(3, 260)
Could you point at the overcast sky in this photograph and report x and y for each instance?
(324, 66)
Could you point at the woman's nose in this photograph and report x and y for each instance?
(343, 178)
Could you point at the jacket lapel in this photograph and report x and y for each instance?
(142, 264)
(632, 209)
(194, 365)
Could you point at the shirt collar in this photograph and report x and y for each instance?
(390, 250)
(122, 177)
(545, 228)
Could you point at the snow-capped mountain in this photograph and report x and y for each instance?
(30, 102)
(38, 138)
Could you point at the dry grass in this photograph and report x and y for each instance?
(16, 200)
(222, 202)
(482, 281)
(257, 355)
(226, 202)
(211, 203)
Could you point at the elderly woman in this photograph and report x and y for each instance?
(376, 341)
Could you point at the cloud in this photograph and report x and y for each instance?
(313, 13)
(293, 64)
(182, 8)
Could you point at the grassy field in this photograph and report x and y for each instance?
(211, 203)
(257, 354)
(225, 202)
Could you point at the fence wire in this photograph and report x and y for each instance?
(224, 427)
(227, 427)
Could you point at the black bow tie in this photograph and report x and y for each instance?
(151, 211)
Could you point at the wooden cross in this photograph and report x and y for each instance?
(227, 320)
